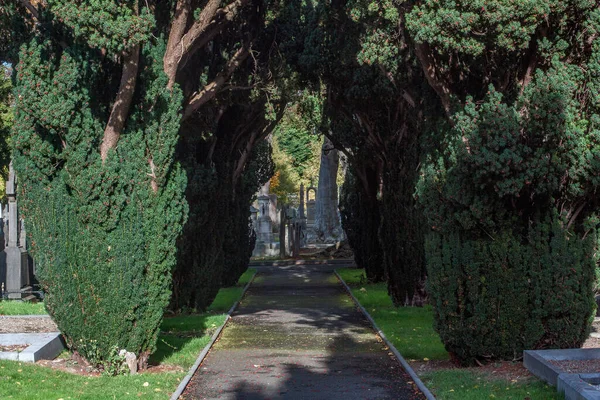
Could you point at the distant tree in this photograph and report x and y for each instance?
(285, 180)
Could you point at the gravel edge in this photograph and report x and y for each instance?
(399, 357)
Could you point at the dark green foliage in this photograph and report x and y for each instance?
(240, 237)
(121, 26)
(360, 215)
(217, 242)
(509, 192)
(6, 117)
(218, 150)
(494, 298)
(375, 102)
(401, 231)
(103, 240)
(14, 30)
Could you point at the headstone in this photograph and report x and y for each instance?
(265, 246)
(265, 228)
(327, 220)
(310, 205)
(15, 252)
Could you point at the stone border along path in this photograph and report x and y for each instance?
(298, 335)
(184, 382)
(393, 348)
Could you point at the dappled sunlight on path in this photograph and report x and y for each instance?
(297, 335)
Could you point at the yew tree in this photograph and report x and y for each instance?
(510, 181)
(104, 90)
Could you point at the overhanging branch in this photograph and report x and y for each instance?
(210, 23)
(209, 91)
(122, 103)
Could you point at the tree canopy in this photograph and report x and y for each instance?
(470, 130)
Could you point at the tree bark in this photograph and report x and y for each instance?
(31, 8)
(210, 23)
(122, 103)
(178, 27)
(423, 53)
(209, 91)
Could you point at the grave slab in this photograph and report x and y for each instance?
(579, 386)
(538, 361)
(41, 346)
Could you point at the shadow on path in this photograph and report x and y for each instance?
(297, 335)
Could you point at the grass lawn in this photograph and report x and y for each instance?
(410, 329)
(12, 307)
(181, 340)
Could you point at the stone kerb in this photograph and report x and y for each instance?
(41, 346)
(575, 386)
(579, 386)
(538, 361)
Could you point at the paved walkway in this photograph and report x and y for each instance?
(297, 335)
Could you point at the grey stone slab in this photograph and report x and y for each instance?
(579, 386)
(42, 346)
(9, 355)
(537, 361)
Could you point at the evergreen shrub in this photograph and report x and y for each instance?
(510, 201)
(495, 297)
(360, 216)
(102, 238)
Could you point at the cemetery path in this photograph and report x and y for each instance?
(298, 335)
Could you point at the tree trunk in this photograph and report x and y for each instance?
(282, 254)
(359, 209)
(401, 233)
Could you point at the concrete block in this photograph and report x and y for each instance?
(42, 346)
(537, 361)
(579, 386)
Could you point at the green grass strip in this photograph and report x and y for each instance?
(182, 338)
(17, 307)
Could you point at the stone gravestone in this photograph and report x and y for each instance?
(327, 224)
(310, 205)
(265, 246)
(15, 252)
(265, 224)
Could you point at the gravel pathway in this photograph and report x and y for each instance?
(26, 324)
(297, 335)
(577, 366)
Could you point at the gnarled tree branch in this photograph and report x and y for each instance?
(122, 103)
(178, 26)
(210, 23)
(31, 8)
(209, 91)
(423, 53)
(256, 136)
